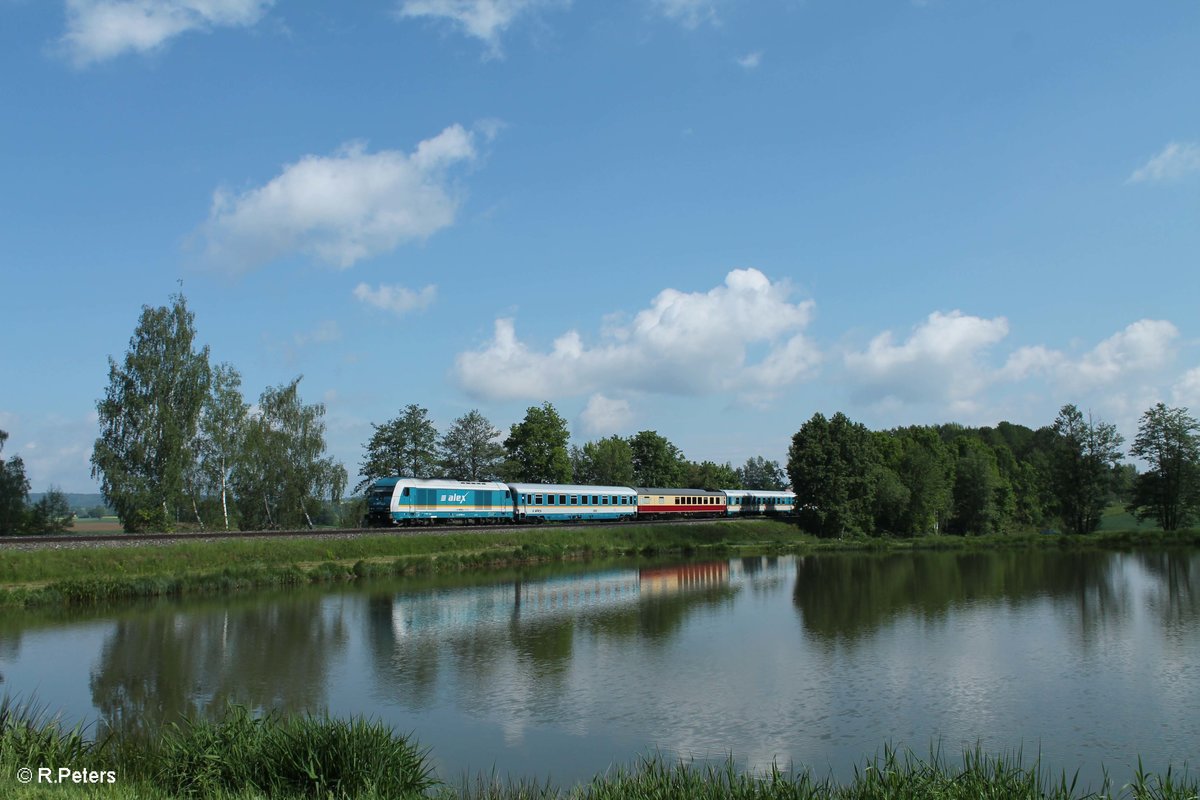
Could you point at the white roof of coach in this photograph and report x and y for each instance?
(566, 488)
(446, 483)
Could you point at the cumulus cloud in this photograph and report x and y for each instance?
(940, 360)
(485, 20)
(98, 30)
(1186, 391)
(605, 415)
(685, 343)
(690, 14)
(1142, 347)
(397, 299)
(342, 208)
(1176, 160)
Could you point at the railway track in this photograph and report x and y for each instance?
(52, 541)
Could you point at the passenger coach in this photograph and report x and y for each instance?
(540, 502)
(744, 502)
(679, 503)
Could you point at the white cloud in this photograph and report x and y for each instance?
(57, 450)
(685, 343)
(939, 360)
(98, 30)
(340, 208)
(1142, 347)
(1175, 161)
(1186, 391)
(750, 60)
(397, 299)
(485, 20)
(690, 14)
(605, 415)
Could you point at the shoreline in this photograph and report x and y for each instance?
(32, 579)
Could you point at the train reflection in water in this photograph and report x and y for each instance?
(531, 601)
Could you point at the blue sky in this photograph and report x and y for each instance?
(711, 218)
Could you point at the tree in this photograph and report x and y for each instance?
(406, 445)
(1168, 440)
(283, 473)
(1083, 462)
(710, 476)
(148, 418)
(758, 473)
(537, 448)
(830, 464)
(14, 491)
(926, 468)
(51, 513)
(607, 462)
(656, 462)
(469, 450)
(980, 493)
(222, 433)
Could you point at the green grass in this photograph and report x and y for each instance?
(243, 756)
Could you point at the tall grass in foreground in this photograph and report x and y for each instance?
(244, 757)
(891, 776)
(239, 755)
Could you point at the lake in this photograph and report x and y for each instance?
(1089, 658)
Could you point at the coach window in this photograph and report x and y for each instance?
(562, 499)
(549, 499)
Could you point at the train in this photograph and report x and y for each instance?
(424, 501)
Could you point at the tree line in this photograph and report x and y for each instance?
(538, 450)
(851, 481)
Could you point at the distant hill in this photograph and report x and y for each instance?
(75, 501)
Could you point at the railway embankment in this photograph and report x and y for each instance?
(104, 572)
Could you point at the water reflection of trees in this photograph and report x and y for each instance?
(847, 596)
(492, 642)
(169, 663)
(1175, 595)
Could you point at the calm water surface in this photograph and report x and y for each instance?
(1091, 659)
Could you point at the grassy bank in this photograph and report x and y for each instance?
(317, 757)
(38, 578)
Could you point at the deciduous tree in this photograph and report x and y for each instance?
(148, 418)
(607, 462)
(758, 473)
(470, 450)
(284, 474)
(1083, 462)
(656, 461)
(222, 433)
(406, 445)
(14, 491)
(537, 447)
(1168, 440)
(830, 463)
